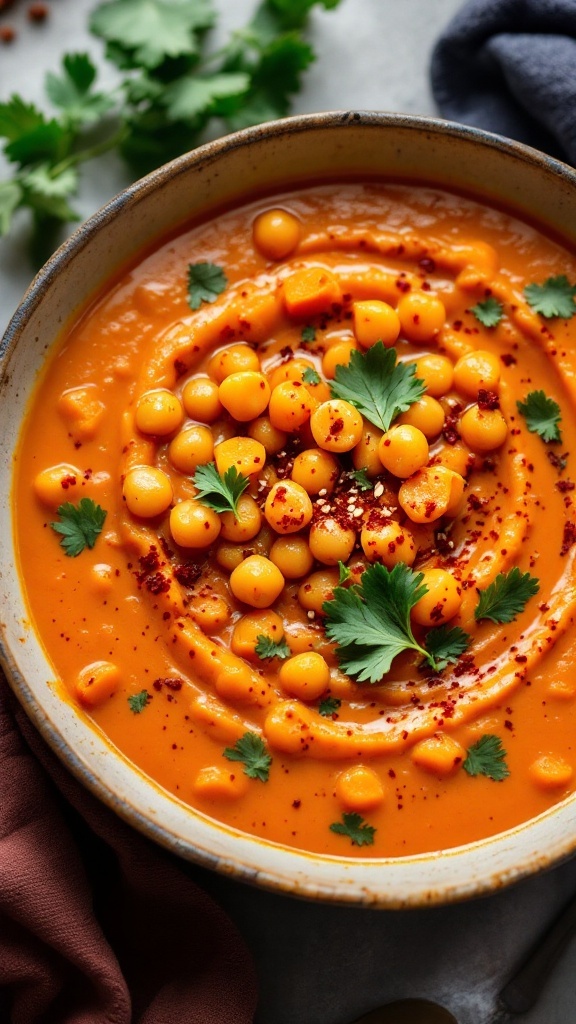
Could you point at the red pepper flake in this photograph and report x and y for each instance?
(568, 537)
(180, 367)
(450, 431)
(428, 264)
(508, 359)
(68, 481)
(488, 399)
(565, 485)
(170, 682)
(558, 461)
(158, 583)
(296, 804)
(336, 427)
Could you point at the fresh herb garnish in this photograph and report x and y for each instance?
(206, 282)
(506, 596)
(308, 334)
(329, 706)
(489, 312)
(446, 645)
(79, 526)
(220, 493)
(266, 647)
(355, 828)
(487, 757)
(138, 701)
(377, 385)
(310, 376)
(251, 751)
(361, 479)
(553, 298)
(344, 573)
(370, 622)
(542, 415)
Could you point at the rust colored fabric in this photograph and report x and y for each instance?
(97, 924)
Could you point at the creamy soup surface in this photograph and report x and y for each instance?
(294, 512)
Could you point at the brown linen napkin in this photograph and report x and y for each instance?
(98, 925)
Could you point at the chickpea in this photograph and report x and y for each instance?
(318, 588)
(276, 233)
(403, 450)
(426, 415)
(359, 788)
(250, 627)
(247, 455)
(430, 493)
(365, 454)
(257, 581)
(437, 372)
(211, 613)
(422, 316)
(292, 369)
(193, 525)
(200, 399)
(96, 683)
(305, 676)
(441, 603)
(475, 370)
(439, 754)
(292, 556)
(288, 507)
(315, 470)
(330, 541)
(388, 543)
(246, 524)
(229, 555)
(272, 439)
(233, 359)
(290, 405)
(245, 395)
(191, 448)
(235, 684)
(454, 456)
(158, 412)
(337, 355)
(336, 426)
(483, 429)
(57, 484)
(375, 321)
(147, 491)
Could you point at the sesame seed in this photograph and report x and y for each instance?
(358, 512)
(311, 614)
(379, 490)
(323, 492)
(325, 508)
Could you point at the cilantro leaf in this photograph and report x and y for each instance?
(310, 376)
(79, 525)
(344, 573)
(308, 334)
(489, 312)
(361, 479)
(378, 386)
(138, 701)
(487, 757)
(206, 282)
(553, 298)
(370, 622)
(251, 751)
(190, 96)
(446, 645)
(542, 415)
(220, 493)
(354, 826)
(11, 196)
(329, 706)
(266, 647)
(72, 90)
(152, 31)
(506, 596)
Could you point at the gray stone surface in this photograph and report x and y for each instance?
(326, 964)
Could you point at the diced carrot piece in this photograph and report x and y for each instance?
(311, 291)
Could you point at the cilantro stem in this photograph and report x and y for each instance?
(91, 152)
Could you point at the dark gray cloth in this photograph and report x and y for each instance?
(509, 66)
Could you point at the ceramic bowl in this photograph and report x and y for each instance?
(225, 172)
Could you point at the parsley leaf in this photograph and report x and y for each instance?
(506, 596)
(370, 622)
(378, 386)
(553, 298)
(206, 282)
(190, 96)
(80, 525)
(487, 757)
(344, 573)
(220, 493)
(266, 647)
(489, 312)
(251, 751)
(310, 376)
(542, 415)
(308, 334)
(354, 826)
(11, 196)
(361, 479)
(150, 31)
(72, 91)
(138, 701)
(329, 706)
(446, 645)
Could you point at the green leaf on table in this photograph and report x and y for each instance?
(11, 196)
(30, 136)
(206, 281)
(192, 96)
(71, 91)
(152, 31)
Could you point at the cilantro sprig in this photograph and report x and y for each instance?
(506, 596)
(311, 376)
(138, 701)
(206, 281)
(487, 757)
(79, 526)
(329, 706)
(355, 828)
(266, 647)
(361, 479)
(555, 297)
(251, 751)
(377, 385)
(220, 493)
(542, 415)
(445, 645)
(489, 312)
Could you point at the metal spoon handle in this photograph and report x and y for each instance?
(522, 991)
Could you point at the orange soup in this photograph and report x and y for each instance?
(294, 511)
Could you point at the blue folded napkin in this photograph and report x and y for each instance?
(509, 66)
